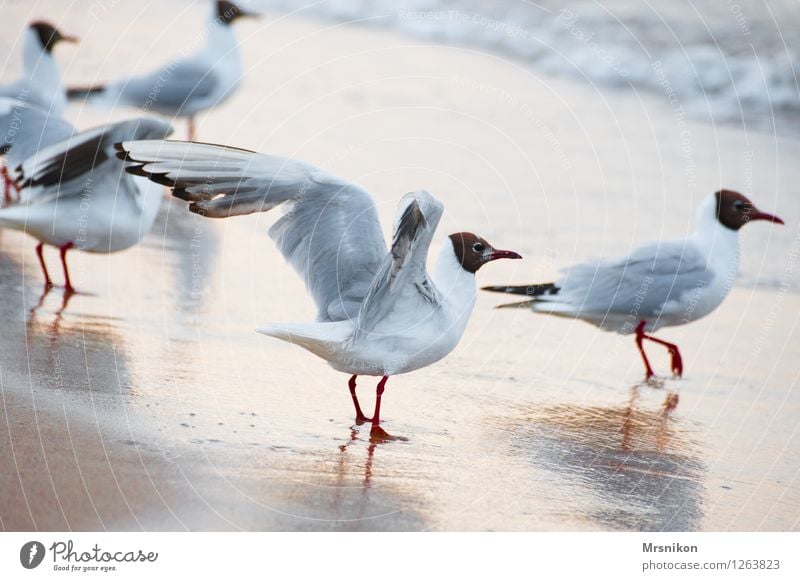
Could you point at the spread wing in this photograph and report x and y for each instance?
(68, 167)
(330, 233)
(404, 268)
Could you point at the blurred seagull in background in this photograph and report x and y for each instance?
(660, 284)
(188, 85)
(40, 83)
(379, 312)
(31, 107)
(74, 194)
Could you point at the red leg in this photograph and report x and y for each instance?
(676, 361)
(47, 282)
(191, 129)
(360, 417)
(639, 337)
(67, 284)
(377, 432)
(8, 184)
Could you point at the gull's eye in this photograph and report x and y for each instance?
(478, 247)
(738, 205)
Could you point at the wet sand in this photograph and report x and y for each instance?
(149, 402)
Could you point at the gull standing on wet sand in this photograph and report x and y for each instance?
(74, 194)
(379, 313)
(660, 284)
(187, 85)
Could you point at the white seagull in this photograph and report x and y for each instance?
(379, 312)
(37, 95)
(660, 284)
(74, 194)
(40, 83)
(185, 86)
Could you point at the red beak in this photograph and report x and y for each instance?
(757, 215)
(503, 254)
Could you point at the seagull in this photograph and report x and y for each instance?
(24, 130)
(660, 284)
(379, 312)
(28, 103)
(74, 194)
(186, 85)
(40, 83)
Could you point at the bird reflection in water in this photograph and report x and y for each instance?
(627, 467)
(71, 347)
(58, 314)
(341, 468)
(630, 418)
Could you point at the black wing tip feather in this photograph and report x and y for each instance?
(531, 290)
(412, 221)
(122, 153)
(74, 93)
(137, 167)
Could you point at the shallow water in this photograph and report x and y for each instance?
(149, 402)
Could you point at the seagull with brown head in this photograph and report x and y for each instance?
(188, 84)
(379, 312)
(660, 284)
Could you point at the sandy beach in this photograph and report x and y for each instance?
(148, 401)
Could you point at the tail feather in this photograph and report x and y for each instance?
(77, 93)
(321, 339)
(530, 290)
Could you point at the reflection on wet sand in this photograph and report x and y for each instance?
(55, 342)
(622, 467)
(193, 251)
(344, 494)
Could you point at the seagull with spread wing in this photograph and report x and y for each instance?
(379, 312)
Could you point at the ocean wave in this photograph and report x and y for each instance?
(723, 60)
